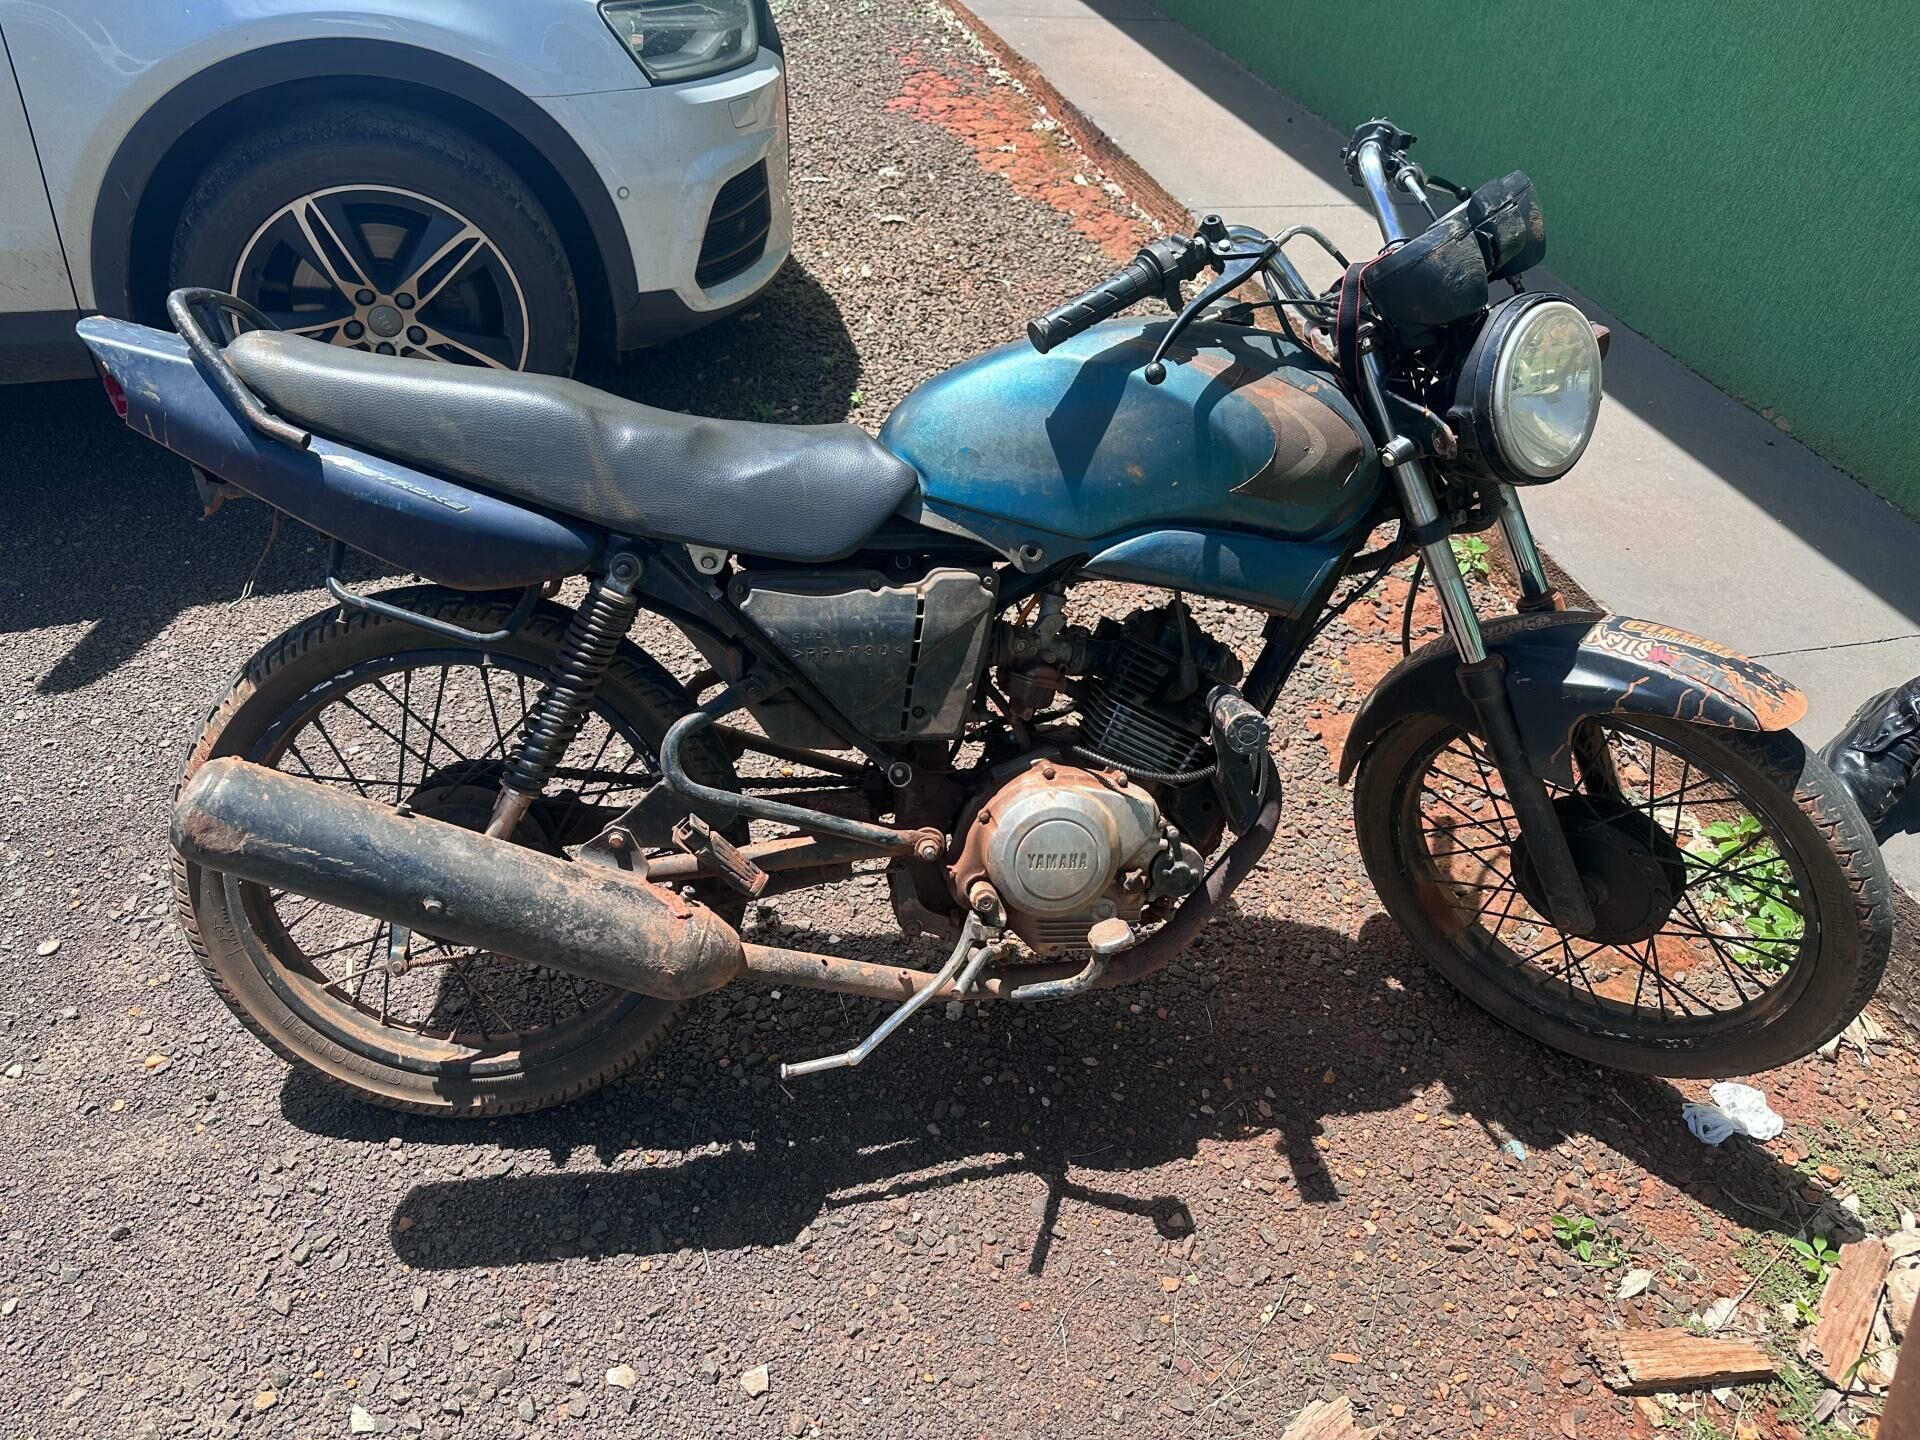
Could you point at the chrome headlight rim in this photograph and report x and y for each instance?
(741, 16)
(1480, 412)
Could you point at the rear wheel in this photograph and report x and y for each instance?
(388, 711)
(382, 230)
(1742, 912)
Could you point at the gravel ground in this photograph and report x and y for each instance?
(1293, 1166)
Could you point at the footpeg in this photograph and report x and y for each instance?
(706, 844)
(969, 953)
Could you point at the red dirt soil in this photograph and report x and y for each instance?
(997, 123)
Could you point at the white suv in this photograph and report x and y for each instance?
(489, 184)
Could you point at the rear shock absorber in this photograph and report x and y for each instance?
(597, 628)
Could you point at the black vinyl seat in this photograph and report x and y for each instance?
(791, 492)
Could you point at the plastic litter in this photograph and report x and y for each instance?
(1515, 1149)
(1736, 1110)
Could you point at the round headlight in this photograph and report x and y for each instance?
(1529, 391)
(1546, 390)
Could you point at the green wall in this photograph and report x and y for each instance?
(1739, 182)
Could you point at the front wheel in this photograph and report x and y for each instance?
(1743, 915)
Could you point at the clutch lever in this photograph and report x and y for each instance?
(1233, 274)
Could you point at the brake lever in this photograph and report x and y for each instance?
(1230, 279)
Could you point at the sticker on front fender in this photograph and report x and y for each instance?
(1719, 686)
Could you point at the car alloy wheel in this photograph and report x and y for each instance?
(379, 268)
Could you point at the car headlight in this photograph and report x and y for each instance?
(1529, 392)
(684, 39)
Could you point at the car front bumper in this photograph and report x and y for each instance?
(664, 153)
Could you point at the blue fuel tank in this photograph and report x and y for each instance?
(1249, 433)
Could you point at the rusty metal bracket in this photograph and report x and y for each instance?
(749, 691)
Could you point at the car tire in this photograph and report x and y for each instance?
(390, 188)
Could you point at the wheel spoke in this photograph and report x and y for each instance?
(312, 905)
(452, 254)
(405, 749)
(1470, 817)
(1733, 970)
(431, 727)
(459, 969)
(1762, 945)
(339, 755)
(329, 331)
(324, 249)
(1648, 798)
(360, 974)
(426, 760)
(433, 724)
(374, 948)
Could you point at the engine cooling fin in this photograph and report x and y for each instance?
(1143, 710)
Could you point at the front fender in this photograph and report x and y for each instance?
(1566, 665)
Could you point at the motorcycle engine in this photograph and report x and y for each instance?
(1143, 705)
(1056, 848)
(1141, 683)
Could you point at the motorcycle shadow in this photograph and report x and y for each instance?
(1330, 1027)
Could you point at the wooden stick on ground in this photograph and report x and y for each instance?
(1847, 1308)
(1644, 1362)
(1328, 1421)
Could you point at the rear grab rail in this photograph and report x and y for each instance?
(183, 307)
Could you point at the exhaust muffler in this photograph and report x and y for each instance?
(337, 847)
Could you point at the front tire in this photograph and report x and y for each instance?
(399, 714)
(1747, 916)
(381, 229)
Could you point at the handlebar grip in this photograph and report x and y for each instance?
(1140, 280)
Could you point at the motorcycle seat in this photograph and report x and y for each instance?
(788, 492)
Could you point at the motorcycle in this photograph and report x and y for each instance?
(462, 848)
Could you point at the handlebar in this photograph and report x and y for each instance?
(1376, 157)
(1159, 269)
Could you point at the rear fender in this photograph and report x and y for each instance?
(444, 532)
(1566, 666)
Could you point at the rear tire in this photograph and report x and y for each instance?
(1809, 987)
(245, 941)
(392, 178)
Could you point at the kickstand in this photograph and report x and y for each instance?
(973, 946)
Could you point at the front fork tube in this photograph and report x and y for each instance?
(1536, 590)
(1590, 752)
(1483, 677)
